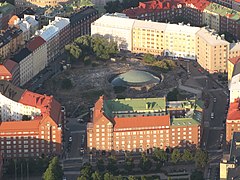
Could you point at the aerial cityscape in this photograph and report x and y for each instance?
(120, 90)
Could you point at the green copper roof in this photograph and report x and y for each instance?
(6, 8)
(133, 105)
(135, 78)
(184, 122)
(223, 11)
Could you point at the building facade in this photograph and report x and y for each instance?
(198, 13)
(40, 134)
(114, 28)
(38, 48)
(80, 22)
(177, 41)
(143, 124)
(25, 60)
(11, 40)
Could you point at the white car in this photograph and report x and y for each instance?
(212, 115)
(64, 178)
(70, 139)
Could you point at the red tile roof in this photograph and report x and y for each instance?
(35, 43)
(234, 60)
(12, 20)
(158, 5)
(47, 104)
(142, 121)
(10, 65)
(4, 72)
(16, 126)
(234, 110)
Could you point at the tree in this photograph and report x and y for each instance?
(143, 178)
(129, 164)
(96, 176)
(112, 165)
(197, 175)
(86, 171)
(175, 156)
(173, 95)
(201, 158)
(160, 154)
(54, 170)
(132, 178)
(187, 155)
(100, 165)
(108, 176)
(149, 58)
(145, 164)
(66, 84)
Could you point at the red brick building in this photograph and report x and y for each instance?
(40, 134)
(233, 119)
(167, 10)
(143, 124)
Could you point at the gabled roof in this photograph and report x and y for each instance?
(21, 55)
(16, 126)
(234, 60)
(10, 65)
(47, 104)
(35, 43)
(10, 91)
(142, 121)
(4, 71)
(234, 110)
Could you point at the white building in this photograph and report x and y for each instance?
(234, 87)
(25, 60)
(38, 47)
(51, 34)
(10, 108)
(117, 27)
(28, 25)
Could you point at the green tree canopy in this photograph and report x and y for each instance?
(112, 165)
(54, 170)
(96, 176)
(149, 58)
(129, 164)
(201, 158)
(145, 163)
(100, 165)
(160, 155)
(108, 176)
(86, 171)
(175, 156)
(187, 156)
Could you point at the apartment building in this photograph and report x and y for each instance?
(168, 11)
(63, 25)
(234, 84)
(29, 25)
(7, 10)
(227, 3)
(212, 50)
(236, 5)
(11, 40)
(4, 73)
(203, 44)
(143, 124)
(229, 165)
(233, 117)
(13, 68)
(38, 48)
(115, 27)
(40, 135)
(25, 60)
(80, 21)
(198, 13)
(148, 37)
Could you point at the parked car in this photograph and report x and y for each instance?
(212, 115)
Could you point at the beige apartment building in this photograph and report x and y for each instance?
(212, 51)
(174, 40)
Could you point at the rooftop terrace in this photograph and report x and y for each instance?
(223, 11)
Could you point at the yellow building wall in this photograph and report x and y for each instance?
(148, 41)
(230, 66)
